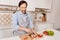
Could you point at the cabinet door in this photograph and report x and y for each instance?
(31, 5)
(9, 2)
(44, 4)
(4, 33)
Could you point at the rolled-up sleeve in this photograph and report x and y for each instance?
(14, 22)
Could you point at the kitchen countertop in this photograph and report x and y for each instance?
(55, 37)
(5, 27)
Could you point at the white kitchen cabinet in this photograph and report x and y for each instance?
(4, 33)
(44, 4)
(9, 2)
(31, 5)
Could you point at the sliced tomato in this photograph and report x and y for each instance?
(40, 35)
(46, 33)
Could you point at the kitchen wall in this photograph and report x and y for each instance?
(54, 16)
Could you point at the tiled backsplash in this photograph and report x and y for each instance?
(5, 18)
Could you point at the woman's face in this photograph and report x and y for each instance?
(23, 8)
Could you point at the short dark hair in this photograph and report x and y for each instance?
(22, 2)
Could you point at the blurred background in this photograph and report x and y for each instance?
(45, 14)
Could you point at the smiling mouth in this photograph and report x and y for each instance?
(24, 11)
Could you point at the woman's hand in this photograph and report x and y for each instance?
(33, 31)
